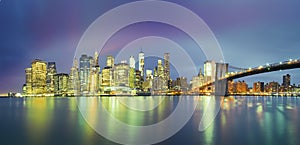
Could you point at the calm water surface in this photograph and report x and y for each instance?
(241, 120)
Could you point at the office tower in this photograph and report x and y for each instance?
(155, 74)
(149, 74)
(286, 82)
(209, 70)
(51, 71)
(138, 80)
(107, 77)
(141, 63)
(132, 78)
(39, 71)
(159, 83)
(258, 87)
(110, 61)
(167, 66)
(121, 75)
(94, 85)
(160, 69)
(147, 84)
(28, 83)
(84, 72)
(74, 79)
(182, 83)
(201, 77)
(197, 81)
(61, 84)
(131, 62)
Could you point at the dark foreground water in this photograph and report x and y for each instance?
(240, 121)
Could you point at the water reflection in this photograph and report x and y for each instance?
(241, 120)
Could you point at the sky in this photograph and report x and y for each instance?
(250, 33)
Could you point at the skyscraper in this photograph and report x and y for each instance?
(51, 71)
(39, 71)
(73, 84)
(61, 84)
(28, 83)
(286, 82)
(160, 69)
(132, 78)
(84, 72)
(131, 62)
(159, 83)
(121, 75)
(94, 85)
(138, 80)
(209, 70)
(167, 66)
(141, 63)
(107, 77)
(110, 61)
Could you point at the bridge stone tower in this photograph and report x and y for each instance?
(221, 83)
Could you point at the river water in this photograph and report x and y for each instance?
(63, 121)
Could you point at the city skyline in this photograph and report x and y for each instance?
(250, 34)
(128, 77)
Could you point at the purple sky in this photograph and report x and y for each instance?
(250, 33)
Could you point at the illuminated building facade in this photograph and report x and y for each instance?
(110, 61)
(61, 83)
(209, 70)
(28, 82)
(84, 72)
(141, 63)
(272, 87)
(38, 76)
(121, 75)
(131, 62)
(167, 69)
(138, 80)
(73, 84)
(197, 81)
(241, 87)
(147, 84)
(132, 78)
(51, 71)
(258, 87)
(159, 82)
(94, 85)
(107, 77)
(286, 83)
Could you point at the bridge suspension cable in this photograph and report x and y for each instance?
(236, 68)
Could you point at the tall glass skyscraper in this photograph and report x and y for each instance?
(209, 70)
(51, 71)
(167, 66)
(84, 72)
(94, 85)
(131, 62)
(73, 84)
(141, 63)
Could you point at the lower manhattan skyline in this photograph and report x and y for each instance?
(253, 34)
(161, 72)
